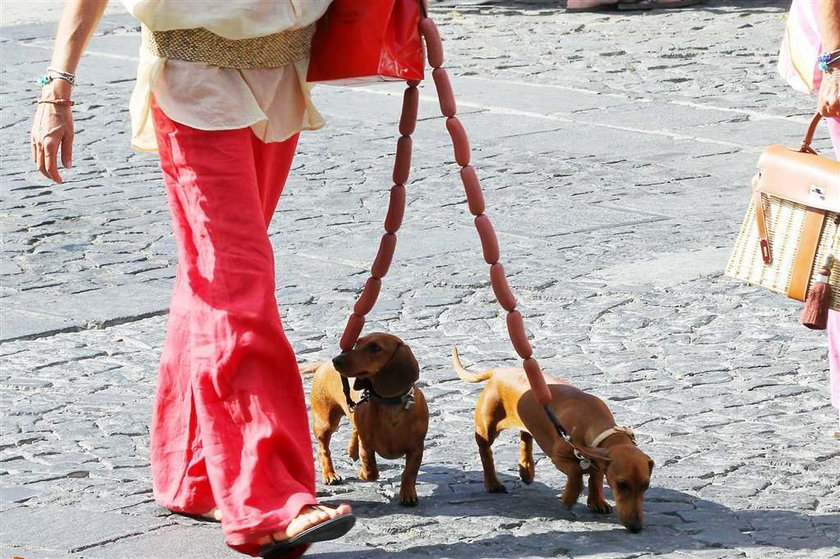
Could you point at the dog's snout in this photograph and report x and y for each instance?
(338, 361)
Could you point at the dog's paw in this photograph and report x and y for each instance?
(568, 501)
(495, 487)
(408, 497)
(332, 479)
(526, 473)
(599, 507)
(365, 475)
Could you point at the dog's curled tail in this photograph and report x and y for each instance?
(308, 368)
(464, 374)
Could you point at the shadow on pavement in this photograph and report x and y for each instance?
(524, 522)
(783, 5)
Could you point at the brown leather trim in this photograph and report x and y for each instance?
(806, 252)
(761, 223)
(804, 178)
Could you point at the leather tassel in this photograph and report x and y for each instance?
(815, 312)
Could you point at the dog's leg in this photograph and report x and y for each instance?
(574, 484)
(368, 470)
(353, 445)
(323, 428)
(408, 489)
(595, 501)
(526, 457)
(484, 437)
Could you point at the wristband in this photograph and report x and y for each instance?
(53, 74)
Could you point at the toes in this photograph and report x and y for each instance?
(600, 508)
(496, 487)
(526, 474)
(308, 517)
(333, 479)
(408, 497)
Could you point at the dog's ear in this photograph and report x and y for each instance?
(400, 373)
(361, 384)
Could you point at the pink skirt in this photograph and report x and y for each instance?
(834, 316)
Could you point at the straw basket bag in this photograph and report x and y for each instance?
(792, 226)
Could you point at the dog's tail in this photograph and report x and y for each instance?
(464, 374)
(309, 368)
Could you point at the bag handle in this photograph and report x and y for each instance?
(809, 135)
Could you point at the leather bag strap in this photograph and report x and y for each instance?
(806, 252)
(809, 135)
(761, 224)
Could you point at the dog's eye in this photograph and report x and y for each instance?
(373, 348)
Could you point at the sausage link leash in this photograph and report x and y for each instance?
(475, 200)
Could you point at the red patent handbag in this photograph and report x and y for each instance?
(362, 41)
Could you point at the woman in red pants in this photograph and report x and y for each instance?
(221, 95)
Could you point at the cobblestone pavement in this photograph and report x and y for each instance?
(615, 150)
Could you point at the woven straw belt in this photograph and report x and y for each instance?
(200, 45)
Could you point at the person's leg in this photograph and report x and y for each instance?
(272, 162)
(834, 316)
(179, 475)
(249, 403)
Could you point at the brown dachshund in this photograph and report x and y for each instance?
(606, 450)
(390, 417)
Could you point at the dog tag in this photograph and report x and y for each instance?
(409, 400)
(585, 464)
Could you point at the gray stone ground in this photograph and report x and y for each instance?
(615, 150)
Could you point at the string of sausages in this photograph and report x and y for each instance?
(475, 201)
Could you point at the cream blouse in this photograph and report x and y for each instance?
(274, 102)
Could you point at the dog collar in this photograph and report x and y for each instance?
(406, 400)
(612, 431)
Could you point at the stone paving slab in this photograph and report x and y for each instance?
(41, 530)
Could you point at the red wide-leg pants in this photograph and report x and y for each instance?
(230, 428)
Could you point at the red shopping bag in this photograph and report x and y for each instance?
(362, 41)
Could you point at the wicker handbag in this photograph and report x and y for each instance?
(792, 226)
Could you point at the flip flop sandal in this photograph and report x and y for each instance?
(324, 531)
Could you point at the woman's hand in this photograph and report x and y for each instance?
(52, 131)
(829, 97)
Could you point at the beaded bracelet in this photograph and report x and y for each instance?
(827, 60)
(62, 102)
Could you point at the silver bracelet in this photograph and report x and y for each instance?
(54, 74)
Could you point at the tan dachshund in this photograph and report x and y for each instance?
(507, 402)
(390, 417)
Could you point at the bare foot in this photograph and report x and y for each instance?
(309, 516)
(212, 514)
